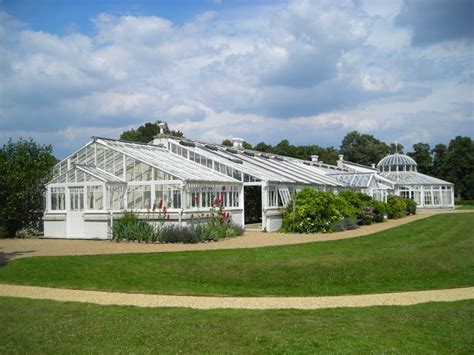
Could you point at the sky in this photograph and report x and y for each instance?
(306, 71)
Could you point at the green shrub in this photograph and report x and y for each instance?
(362, 204)
(211, 231)
(464, 202)
(3, 231)
(396, 207)
(379, 210)
(356, 199)
(130, 228)
(365, 216)
(27, 232)
(346, 223)
(171, 233)
(315, 211)
(410, 206)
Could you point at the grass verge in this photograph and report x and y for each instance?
(32, 326)
(432, 253)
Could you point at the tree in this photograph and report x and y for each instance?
(440, 153)
(25, 168)
(458, 166)
(363, 148)
(263, 147)
(396, 148)
(145, 133)
(246, 145)
(422, 155)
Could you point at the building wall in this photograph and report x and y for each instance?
(54, 229)
(273, 220)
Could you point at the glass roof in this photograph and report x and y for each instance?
(99, 173)
(413, 178)
(266, 167)
(166, 161)
(396, 159)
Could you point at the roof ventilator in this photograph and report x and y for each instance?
(238, 143)
(187, 143)
(211, 147)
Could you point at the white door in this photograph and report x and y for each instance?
(75, 214)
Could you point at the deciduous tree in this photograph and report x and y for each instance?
(25, 168)
(145, 133)
(363, 148)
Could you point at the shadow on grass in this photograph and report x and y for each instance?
(6, 257)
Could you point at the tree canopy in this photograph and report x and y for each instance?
(145, 133)
(363, 148)
(25, 168)
(422, 155)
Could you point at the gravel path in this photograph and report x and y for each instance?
(147, 300)
(21, 248)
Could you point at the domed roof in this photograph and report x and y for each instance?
(396, 159)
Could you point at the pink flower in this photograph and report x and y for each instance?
(216, 202)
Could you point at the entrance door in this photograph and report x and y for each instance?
(75, 214)
(253, 204)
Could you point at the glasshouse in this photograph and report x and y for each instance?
(427, 191)
(93, 186)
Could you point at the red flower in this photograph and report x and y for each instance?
(217, 201)
(160, 204)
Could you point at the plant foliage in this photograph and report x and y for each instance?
(315, 211)
(25, 168)
(130, 228)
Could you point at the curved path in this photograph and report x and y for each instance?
(200, 302)
(22, 248)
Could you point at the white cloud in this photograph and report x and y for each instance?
(308, 71)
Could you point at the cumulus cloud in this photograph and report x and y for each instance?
(435, 21)
(304, 70)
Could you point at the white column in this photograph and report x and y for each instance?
(452, 196)
(264, 205)
(125, 198)
(422, 196)
(48, 199)
(242, 204)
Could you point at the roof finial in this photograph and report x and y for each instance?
(396, 147)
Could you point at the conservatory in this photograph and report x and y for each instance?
(175, 180)
(427, 191)
(94, 186)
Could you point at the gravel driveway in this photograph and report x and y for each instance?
(200, 302)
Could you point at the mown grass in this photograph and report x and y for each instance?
(432, 253)
(465, 207)
(32, 326)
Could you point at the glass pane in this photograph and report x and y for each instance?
(76, 195)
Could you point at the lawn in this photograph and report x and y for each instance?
(465, 207)
(33, 326)
(432, 253)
